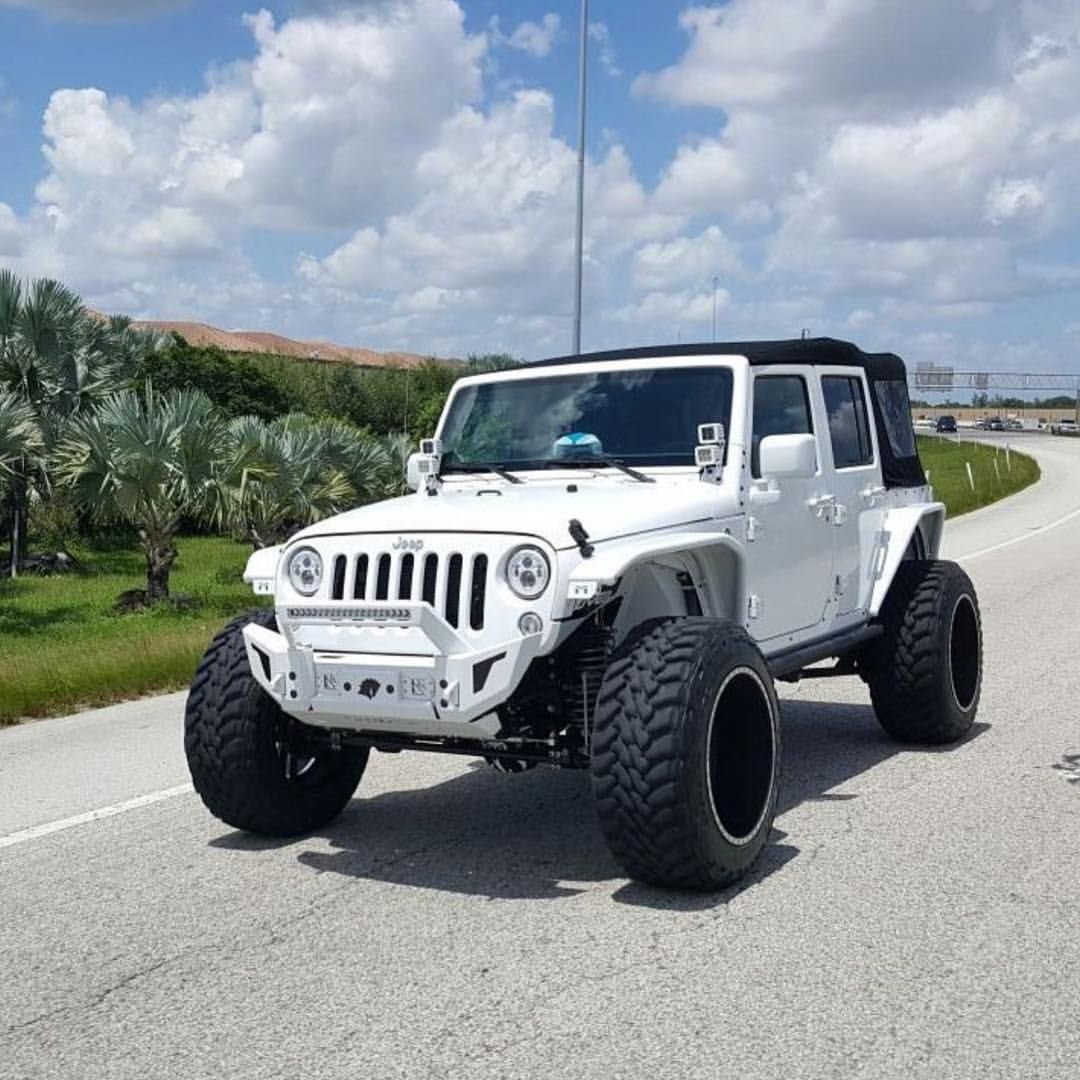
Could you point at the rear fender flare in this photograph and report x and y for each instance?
(901, 525)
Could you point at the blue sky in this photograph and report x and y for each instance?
(399, 173)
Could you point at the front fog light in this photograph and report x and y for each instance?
(305, 571)
(530, 623)
(528, 572)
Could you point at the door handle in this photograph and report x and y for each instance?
(822, 505)
(872, 494)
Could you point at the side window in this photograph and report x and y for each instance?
(849, 428)
(781, 407)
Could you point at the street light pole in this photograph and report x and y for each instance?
(579, 246)
(715, 287)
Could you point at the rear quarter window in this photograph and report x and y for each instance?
(895, 408)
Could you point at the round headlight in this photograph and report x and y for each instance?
(305, 571)
(528, 572)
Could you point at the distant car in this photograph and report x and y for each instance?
(1065, 427)
(925, 421)
(1014, 424)
(945, 424)
(995, 423)
(982, 423)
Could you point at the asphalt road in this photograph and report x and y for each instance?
(915, 916)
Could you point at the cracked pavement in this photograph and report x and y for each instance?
(914, 916)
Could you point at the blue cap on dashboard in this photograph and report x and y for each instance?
(579, 444)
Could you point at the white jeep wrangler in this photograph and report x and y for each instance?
(607, 561)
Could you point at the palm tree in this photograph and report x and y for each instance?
(59, 360)
(293, 472)
(37, 331)
(149, 460)
(20, 449)
(398, 449)
(19, 433)
(345, 449)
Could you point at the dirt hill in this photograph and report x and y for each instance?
(260, 341)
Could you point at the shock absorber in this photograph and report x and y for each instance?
(584, 672)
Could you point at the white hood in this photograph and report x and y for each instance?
(607, 509)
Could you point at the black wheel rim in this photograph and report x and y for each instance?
(741, 755)
(964, 652)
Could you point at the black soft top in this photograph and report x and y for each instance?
(822, 351)
(890, 404)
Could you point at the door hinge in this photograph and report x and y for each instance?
(753, 607)
(838, 586)
(751, 529)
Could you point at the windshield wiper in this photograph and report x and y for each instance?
(483, 466)
(585, 460)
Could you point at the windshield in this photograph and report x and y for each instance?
(640, 417)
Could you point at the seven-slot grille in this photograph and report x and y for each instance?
(454, 585)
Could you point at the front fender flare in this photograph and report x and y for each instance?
(261, 569)
(612, 561)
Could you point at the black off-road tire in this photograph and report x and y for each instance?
(241, 748)
(925, 671)
(686, 754)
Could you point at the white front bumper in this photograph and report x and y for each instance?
(424, 678)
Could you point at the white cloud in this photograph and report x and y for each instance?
(97, 10)
(346, 106)
(11, 232)
(439, 209)
(685, 261)
(705, 176)
(493, 233)
(845, 54)
(325, 127)
(679, 313)
(536, 39)
(1010, 200)
(458, 213)
(601, 34)
(870, 164)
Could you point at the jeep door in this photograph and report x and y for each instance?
(789, 543)
(853, 474)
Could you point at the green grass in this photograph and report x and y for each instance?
(61, 645)
(996, 473)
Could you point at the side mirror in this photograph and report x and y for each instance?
(412, 472)
(788, 457)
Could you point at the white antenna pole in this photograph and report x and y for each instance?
(579, 247)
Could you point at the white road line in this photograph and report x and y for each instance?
(35, 832)
(1020, 539)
